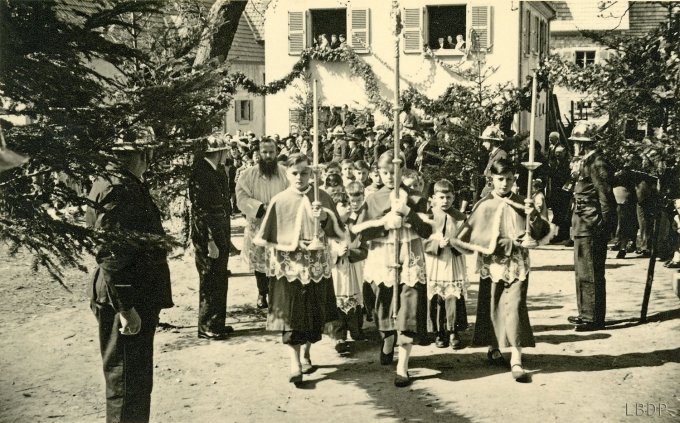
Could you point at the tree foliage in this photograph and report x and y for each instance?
(638, 82)
(86, 73)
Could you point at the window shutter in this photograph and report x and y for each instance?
(527, 33)
(412, 21)
(296, 32)
(481, 28)
(534, 37)
(359, 30)
(237, 110)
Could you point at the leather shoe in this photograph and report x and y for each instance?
(589, 327)
(621, 254)
(576, 320)
(215, 336)
(455, 342)
(228, 330)
(262, 302)
(401, 381)
(440, 343)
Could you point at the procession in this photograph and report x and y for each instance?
(195, 243)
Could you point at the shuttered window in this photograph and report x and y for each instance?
(412, 21)
(526, 25)
(359, 30)
(535, 35)
(243, 110)
(481, 27)
(296, 32)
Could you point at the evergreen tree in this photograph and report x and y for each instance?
(87, 73)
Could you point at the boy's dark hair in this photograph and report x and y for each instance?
(333, 180)
(411, 174)
(502, 166)
(537, 184)
(361, 165)
(336, 165)
(296, 159)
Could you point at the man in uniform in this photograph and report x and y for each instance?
(592, 221)
(132, 281)
(254, 190)
(211, 235)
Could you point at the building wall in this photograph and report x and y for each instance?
(338, 87)
(640, 18)
(254, 71)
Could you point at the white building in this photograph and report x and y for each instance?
(633, 18)
(513, 34)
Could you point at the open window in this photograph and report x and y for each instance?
(328, 23)
(446, 29)
(329, 29)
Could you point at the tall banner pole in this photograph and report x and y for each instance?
(316, 243)
(531, 165)
(397, 160)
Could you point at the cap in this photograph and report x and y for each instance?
(584, 132)
(492, 132)
(136, 138)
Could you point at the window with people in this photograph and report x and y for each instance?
(446, 29)
(329, 28)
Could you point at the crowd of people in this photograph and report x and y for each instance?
(343, 242)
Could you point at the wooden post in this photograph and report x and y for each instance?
(316, 244)
(396, 164)
(531, 165)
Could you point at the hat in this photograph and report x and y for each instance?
(584, 132)
(492, 132)
(216, 142)
(338, 132)
(136, 138)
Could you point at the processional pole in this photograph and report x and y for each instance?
(316, 243)
(396, 267)
(531, 165)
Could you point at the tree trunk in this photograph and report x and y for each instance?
(218, 36)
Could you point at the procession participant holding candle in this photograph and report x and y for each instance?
(302, 298)
(495, 230)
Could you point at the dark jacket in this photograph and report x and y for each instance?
(340, 150)
(595, 205)
(357, 153)
(210, 206)
(132, 271)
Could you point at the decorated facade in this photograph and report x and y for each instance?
(441, 43)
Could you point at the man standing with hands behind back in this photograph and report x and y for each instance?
(132, 281)
(211, 233)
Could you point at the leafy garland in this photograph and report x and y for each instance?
(358, 67)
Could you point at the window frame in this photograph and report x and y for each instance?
(239, 110)
(585, 57)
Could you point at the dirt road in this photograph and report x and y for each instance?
(50, 369)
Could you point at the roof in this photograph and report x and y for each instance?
(575, 15)
(245, 46)
(255, 13)
(646, 16)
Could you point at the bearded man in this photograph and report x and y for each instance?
(254, 190)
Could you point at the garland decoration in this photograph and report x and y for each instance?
(358, 67)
